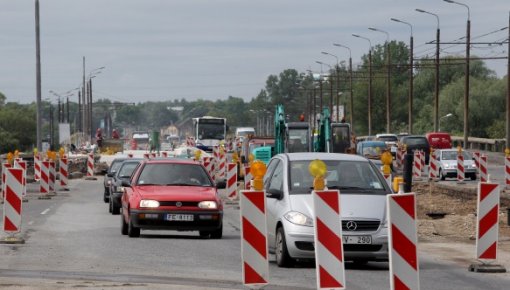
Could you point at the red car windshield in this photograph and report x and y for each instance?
(173, 174)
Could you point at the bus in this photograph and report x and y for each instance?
(209, 132)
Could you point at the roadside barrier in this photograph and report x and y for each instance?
(51, 179)
(63, 173)
(487, 221)
(164, 154)
(476, 156)
(222, 164)
(417, 166)
(460, 168)
(329, 255)
(254, 252)
(153, 155)
(232, 181)
(402, 241)
(207, 165)
(483, 169)
(37, 167)
(44, 186)
(507, 172)
(247, 177)
(5, 166)
(146, 156)
(130, 155)
(400, 157)
(433, 166)
(19, 163)
(13, 200)
(422, 160)
(90, 164)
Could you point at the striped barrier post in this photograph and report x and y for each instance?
(484, 176)
(216, 159)
(90, 164)
(247, 177)
(402, 241)
(13, 201)
(164, 154)
(146, 156)
(19, 163)
(399, 158)
(254, 251)
(63, 173)
(329, 256)
(422, 160)
(44, 184)
(222, 167)
(476, 155)
(417, 166)
(5, 166)
(460, 168)
(130, 155)
(207, 165)
(153, 155)
(507, 172)
(487, 228)
(232, 181)
(433, 165)
(37, 167)
(52, 177)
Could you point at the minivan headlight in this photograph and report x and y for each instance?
(298, 218)
(149, 203)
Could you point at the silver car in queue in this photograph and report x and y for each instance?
(448, 164)
(289, 203)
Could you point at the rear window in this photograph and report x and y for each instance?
(416, 141)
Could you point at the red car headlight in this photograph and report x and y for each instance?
(149, 203)
(208, 204)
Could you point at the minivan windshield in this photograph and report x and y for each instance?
(342, 175)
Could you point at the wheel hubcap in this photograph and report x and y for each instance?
(279, 246)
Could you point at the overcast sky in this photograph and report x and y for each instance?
(156, 50)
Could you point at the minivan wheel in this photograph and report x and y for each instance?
(283, 258)
(443, 177)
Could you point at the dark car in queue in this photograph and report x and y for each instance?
(114, 166)
(171, 194)
(124, 172)
(417, 142)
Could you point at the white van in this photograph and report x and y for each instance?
(245, 131)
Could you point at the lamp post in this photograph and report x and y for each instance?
(443, 117)
(320, 85)
(38, 78)
(411, 75)
(330, 87)
(337, 70)
(436, 83)
(350, 84)
(369, 83)
(388, 78)
(466, 80)
(87, 98)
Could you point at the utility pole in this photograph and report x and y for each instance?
(84, 103)
(67, 111)
(38, 78)
(338, 93)
(370, 92)
(91, 132)
(80, 109)
(436, 83)
(411, 84)
(466, 84)
(508, 89)
(351, 95)
(388, 90)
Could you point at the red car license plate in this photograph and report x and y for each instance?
(180, 217)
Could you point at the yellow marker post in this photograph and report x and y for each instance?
(10, 158)
(198, 154)
(258, 169)
(16, 153)
(459, 150)
(235, 158)
(386, 159)
(507, 152)
(251, 157)
(318, 170)
(61, 152)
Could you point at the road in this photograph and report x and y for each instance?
(72, 241)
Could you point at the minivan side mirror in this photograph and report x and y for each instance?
(110, 174)
(126, 183)
(274, 193)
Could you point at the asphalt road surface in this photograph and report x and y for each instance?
(72, 241)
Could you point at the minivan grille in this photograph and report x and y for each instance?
(360, 226)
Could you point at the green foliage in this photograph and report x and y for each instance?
(17, 127)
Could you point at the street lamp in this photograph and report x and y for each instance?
(466, 81)
(350, 83)
(337, 70)
(369, 83)
(436, 83)
(443, 117)
(411, 75)
(388, 78)
(330, 88)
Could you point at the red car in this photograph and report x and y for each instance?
(171, 194)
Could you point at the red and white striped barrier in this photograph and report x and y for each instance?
(329, 255)
(232, 181)
(37, 167)
(44, 186)
(433, 165)
(153, 155)
(19, 163)
(402, 241)
(90, 165)
(507, 172)
(400, 157)
(207, 165)
(52, 177)
(164, 154)
(5, 166)
(13, 200)
(417, 165)
(476, 156)
(247, 177)
(146, 156)
(130, 155)
(460, 168)
(487, 221)
(222, 166)
(422, 160)
(484, 176)
(64, 173)
(254, 252)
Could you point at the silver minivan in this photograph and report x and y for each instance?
(363, 193)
